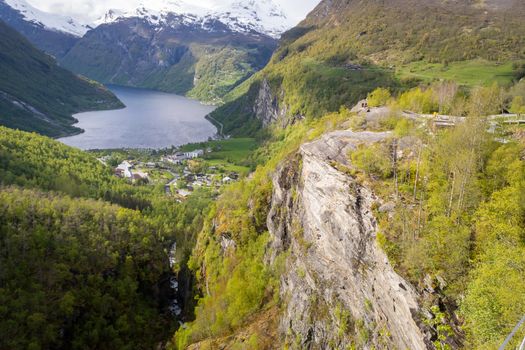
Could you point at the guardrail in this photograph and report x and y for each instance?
(512, 334)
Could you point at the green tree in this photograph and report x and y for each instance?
(517, 106)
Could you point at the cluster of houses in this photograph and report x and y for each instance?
(126, 170)
(193, 181)
(184, 183)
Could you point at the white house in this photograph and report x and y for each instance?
(194, 154)
(124, 170)
(175, 158)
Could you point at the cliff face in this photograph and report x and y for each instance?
(339, 287)
(268, 109)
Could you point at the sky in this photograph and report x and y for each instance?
(90, 10)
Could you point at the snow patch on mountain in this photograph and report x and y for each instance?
(48, 20)
(261, 16)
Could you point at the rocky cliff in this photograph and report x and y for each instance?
(269, 109)
(339, 288)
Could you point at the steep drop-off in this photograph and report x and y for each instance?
(339, 288)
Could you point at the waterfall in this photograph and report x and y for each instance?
(174, 306)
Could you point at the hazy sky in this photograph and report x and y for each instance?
(92, 9)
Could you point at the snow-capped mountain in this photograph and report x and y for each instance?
(261, 16)
(51, 21)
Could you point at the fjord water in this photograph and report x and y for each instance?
(151, 119)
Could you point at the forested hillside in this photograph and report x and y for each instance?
(77, 274)
(76, 271)
(37, 95)
(344, 49)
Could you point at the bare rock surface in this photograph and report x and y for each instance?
(339, 287)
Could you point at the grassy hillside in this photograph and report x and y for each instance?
(37, 95)
(347, 47)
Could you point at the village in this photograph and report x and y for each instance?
(180, 173)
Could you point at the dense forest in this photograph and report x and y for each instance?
(77, 271)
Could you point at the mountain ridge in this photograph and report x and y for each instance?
(37, 95)
(176, 57)
(239, 16)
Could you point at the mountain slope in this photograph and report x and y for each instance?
(53, 34)
(174, 56)
(76, 271)
(203, 51)
(345, 48)
(37, 95)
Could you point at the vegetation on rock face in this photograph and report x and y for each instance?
(458, 221)
(229, 258)
(37, 95)
(442, 186)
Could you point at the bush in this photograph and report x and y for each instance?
(419, 101)
(373, 160)
(378, 97)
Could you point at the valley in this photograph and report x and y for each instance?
(178, 176)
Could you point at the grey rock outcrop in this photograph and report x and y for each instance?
(269, 109)
(339, 288)
(266, 107)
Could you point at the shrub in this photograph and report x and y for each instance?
(378, 97)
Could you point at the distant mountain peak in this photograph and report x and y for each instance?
(262, 16)
(50, 21)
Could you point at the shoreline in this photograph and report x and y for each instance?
(162, 127)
